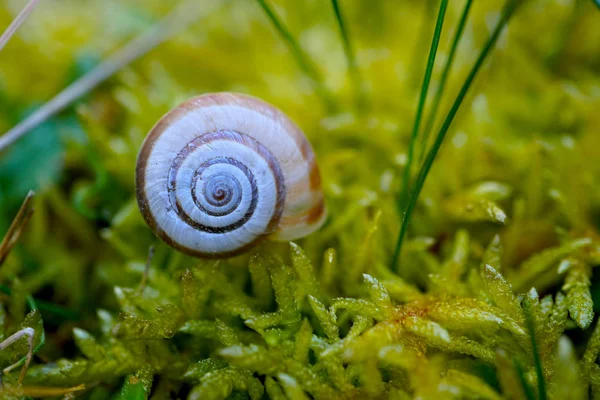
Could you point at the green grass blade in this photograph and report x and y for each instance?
(536, 356)
(423, 39)
(350, 58)
(299, 55)
(415, 132)
(444, 77)
(45, 306)
(527, 390)
(509, 9)
(16, 227)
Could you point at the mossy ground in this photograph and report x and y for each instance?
(495, 294)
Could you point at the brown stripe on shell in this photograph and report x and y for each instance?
(140, 190)
(308, 217)
(205, 139)
(247, 141)
(317, 212)
(245, 101)
(264, 108)
(161, 234)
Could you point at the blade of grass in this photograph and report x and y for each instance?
(301, 58)
(183, 15)
(350, 58)
(45, 306)
(17, 22)
(507, 12)
(16, 227)
(423, 39)
(521, 374)
(443, 78)
(424, 89)
(536, 355)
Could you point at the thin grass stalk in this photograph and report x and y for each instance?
(507, 12)
(45, 306)
(16, 227)
(299, 55)
(443, 78)
(423, 38)
(350, 58)
(422, 97)
(541, 383)
(527, 390)
(17, 22)
(174, 22)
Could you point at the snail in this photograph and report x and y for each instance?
(222, 172)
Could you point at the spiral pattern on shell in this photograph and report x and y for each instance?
(223, 171)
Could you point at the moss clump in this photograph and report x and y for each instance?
(496, 292)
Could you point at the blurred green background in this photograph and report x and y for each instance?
(520, 161)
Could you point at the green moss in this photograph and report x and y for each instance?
(496, 287)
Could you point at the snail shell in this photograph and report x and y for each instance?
(223, 171)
